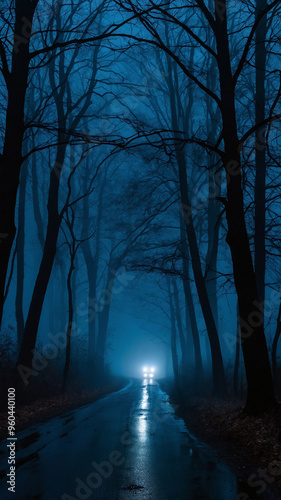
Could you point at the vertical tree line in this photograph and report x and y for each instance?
(165, 166)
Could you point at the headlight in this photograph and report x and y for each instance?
(148, 371)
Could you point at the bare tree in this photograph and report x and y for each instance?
(26, 52)
(260, 395)
(61, 91)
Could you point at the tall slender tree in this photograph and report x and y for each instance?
(260, 152)
(260, 393)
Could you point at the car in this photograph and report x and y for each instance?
(148, 372)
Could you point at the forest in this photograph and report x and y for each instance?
(140, 212)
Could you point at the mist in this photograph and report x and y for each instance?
(140, 231)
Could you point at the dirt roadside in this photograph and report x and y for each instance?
(250, 446)
(44, 409)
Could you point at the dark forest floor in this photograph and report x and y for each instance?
(250, 446)
(45, 408)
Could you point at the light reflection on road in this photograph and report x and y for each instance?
(141, 417)
(161, 459)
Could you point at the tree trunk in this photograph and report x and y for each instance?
(275, 343)
(217, 361)
(20, 255)
(213, 243)
(69, 324)
(237, 357)
(260, 201)
(92, 263)
(42, 281)
(191, 316)
(260, 393)
(35, 199)
(11, 159)
(185, 355)
(214, 185)
(104, 319)
(173, 336)
(92, 280)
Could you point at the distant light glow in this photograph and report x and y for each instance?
(148, 372)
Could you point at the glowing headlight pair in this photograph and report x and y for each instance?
(148, 372)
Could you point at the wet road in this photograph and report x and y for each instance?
(128, 445)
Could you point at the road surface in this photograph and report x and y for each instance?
(128, 445)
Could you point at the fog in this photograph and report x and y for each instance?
(140, 277)
(147, 226)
